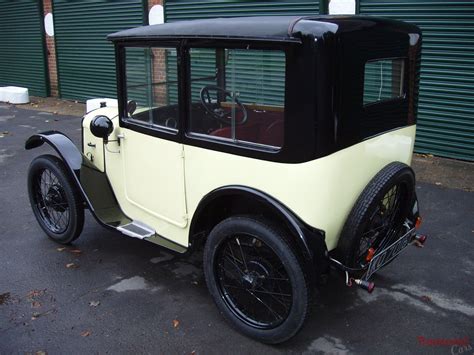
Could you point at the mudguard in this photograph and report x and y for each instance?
(92, 183)
(310, 241)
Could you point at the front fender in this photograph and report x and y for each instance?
(62, 144)
(93, 184)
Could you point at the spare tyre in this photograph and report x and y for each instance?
(377, 218)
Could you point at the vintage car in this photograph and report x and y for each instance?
(280, 145)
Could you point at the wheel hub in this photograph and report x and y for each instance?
(55, 199)
(255, 275)
(249, 280)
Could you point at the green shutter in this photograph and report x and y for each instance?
(189, 10)
(269, 90)
(22, 49)
(446, 104)
(258, 76)
(86, 60)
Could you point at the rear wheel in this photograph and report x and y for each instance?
(256, 279)
(56, 203)
(377, 217)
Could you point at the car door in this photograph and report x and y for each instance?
(150, 153)
(154, 176)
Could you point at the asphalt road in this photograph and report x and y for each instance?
(123, 295)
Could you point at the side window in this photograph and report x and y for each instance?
(384, 80)
(152, 88)
(238, 95)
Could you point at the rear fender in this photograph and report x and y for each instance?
(307, 240)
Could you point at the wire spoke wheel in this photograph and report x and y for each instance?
(50, 199)
(256, 279)
(384, 224)
(253, 281)
(54, 199)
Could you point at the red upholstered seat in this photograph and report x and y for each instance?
(262, 127)
(273, 134)
(246, 132)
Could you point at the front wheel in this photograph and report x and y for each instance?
(56, 203)
(256, 279)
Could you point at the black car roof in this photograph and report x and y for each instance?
(263, 28)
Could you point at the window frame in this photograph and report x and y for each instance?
(151, 125)
(205, 139)
(404, 83)
(121, 64)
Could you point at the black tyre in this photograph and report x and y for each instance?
(54, 198)
(377, 218)
(256, 279)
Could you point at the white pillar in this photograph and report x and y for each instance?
(342, 7)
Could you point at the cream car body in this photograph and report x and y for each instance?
(161, 183)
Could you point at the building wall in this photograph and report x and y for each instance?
(51, 53)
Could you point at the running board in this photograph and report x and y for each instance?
(140, 230)
(136, 230)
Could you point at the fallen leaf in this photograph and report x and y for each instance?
(35, 315)
(194, 282)
(175, 323)
(55, 112)
(35, 304)
(46, 121)
(35, 293)
(40, 352)
(75, 251)
(4, 297)
(438, 183)
(72, 266)
(61, 249)
(426, 298)
(94, 303)
(85, 333)
(193, 352)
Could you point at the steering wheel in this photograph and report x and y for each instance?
(220, 113)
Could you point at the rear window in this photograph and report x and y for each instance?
(384, 80)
